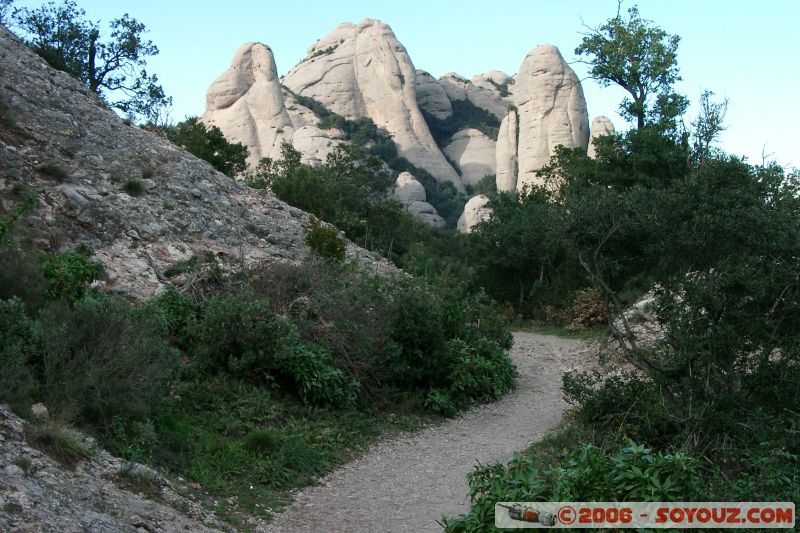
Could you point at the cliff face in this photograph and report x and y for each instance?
(363, 71)
(552, 111)
(61, 143)
(246, 103)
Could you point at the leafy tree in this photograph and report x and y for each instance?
(112, 68)
(521, 254)
(640, 58)
(5, 8)
(210, 145)
(708, 126)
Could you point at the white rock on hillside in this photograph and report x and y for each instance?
(473, 153)
(431, 96)
(363, 71)
(475, 211)
(506, 154)
(314, 144)
(552, 111)
(299, 114)
(408, 189)
(411, 193)
(486, 96)
(601, 125)
(246, 103)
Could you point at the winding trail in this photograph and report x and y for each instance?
(408, 483)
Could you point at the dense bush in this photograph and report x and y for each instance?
(465, 115)
(20, 355)
(103, 358)
(627, 472)
(209, 144)
(68, 274)
(325, 242)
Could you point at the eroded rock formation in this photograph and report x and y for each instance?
(246, 103)
(475, 211)
(411, 193)
(552, 111)
(431, 96)
(473, 153)
(506, 153)
(363, 71)
(600, 126)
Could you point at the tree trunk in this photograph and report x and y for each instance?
(94, 83)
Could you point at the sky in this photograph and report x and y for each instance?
(744, 51)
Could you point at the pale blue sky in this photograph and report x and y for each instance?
(748, 52)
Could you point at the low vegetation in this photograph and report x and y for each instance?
(265, 384)
(465, 115)
(709, 410)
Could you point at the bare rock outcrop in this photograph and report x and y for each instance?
(475, 211)
(601, 126)
(246, 103)
(411, 193)
(314, 144)
(363, 71)
(187, 208)
(483, 94)
(100, 493)
(552, 111)
(299, 114)
(506, 153)
(431, 96)
(473, 153)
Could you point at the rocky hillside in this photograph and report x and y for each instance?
(140, 202)
(362, 70)
(95, 492)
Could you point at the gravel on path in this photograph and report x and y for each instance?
(408, 483)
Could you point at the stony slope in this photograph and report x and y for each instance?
(100, 494)
(188, 208)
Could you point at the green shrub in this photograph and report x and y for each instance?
(21, 276)
(58, 441)
(20, 349)
(105, 358)
(325, 242)
(418, 331)
(628, 472)
(316, 378)
(179, 312)
(209, 144)
(134, 187)
(53, 170)
(481, 371)
(241, 335)
(68, 274)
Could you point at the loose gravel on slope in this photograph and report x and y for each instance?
(408, 483)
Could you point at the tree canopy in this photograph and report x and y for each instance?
(642, 59)
(112, 67)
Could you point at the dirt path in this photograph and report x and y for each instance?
(408, 483)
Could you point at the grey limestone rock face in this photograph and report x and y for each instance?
(363, 71)
(480, 91)
(411, 193)
(552, 111)
(506, 153)
(431, 96)
(246, 103)
(601, 126)
(314, 144)
(192, 210)
(475, 211)
(473, 153)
